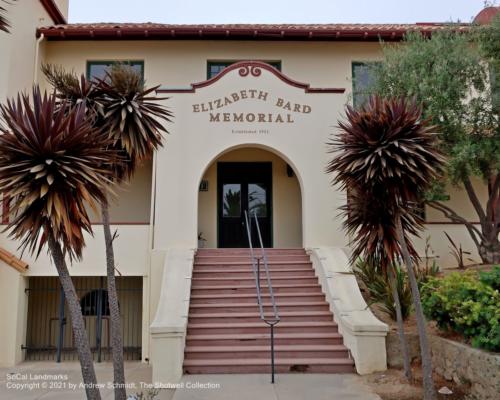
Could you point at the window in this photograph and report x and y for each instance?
(362, 81)
(94, 299)
(97, 69)
(231, 200)
(214, 67)
(257, 199)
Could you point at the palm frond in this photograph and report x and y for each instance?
(52, 162)
(76, 90)
(386, 157)
(132, 116)
(4, 22)
(370, 222)
(386, 144)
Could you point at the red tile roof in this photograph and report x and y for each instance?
(154, 31)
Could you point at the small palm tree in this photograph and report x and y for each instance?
(369, 222)
(388, 157)
(132, 123)
(127, 113)
(51, 164)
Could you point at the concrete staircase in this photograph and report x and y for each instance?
(225, 333)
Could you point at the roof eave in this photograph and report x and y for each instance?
(55, 33)
(53, 11)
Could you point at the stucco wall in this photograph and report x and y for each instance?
(131, 253)
(17, 61)
(286, 199)
(13, 313)
(177, 64)
(323, 64)
(131, 203)
(459, 201)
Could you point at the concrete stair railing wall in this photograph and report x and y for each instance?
(168, 330)
(364, 335)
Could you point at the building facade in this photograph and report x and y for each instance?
(254, 106)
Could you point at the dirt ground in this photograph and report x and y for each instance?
(392, 385)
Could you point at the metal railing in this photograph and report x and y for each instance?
(256, 264)
(49, 336)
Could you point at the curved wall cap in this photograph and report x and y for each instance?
(254, 68)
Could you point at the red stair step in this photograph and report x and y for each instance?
(261, 365)
(250, 289)
(281, 351)
(200, 318)
(261, 327)
(222, 281)
(262, 339)
(231, 258)
(230, 307)
(251, 298)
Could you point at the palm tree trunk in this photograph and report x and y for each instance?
(114, 309)
(400, 322)
(429, 390)
(79, 332)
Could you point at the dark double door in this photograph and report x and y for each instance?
(244, 187)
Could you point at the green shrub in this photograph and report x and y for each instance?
(377, 283)
(380, 291)
(467, 304)
(491, 278)
(425, 272)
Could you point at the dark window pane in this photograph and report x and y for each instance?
(362, 81)
(257, 199)
(98, 69)
(231, 200)
(89, 302)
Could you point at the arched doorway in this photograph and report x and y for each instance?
(255, 180)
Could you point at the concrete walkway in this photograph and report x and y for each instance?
(51, 381)
(287, 387)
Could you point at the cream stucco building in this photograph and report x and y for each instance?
(254, 107)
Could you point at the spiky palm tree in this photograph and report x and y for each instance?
(132, 122)
(51, 164)
(388, 157)
(127, 112)
(374, 239)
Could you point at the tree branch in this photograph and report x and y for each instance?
(493, 206)
(474, 200)
(452, 215)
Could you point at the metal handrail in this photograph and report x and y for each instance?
(256, 271)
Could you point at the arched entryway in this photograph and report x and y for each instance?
(250, 179)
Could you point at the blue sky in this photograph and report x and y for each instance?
(273, 11)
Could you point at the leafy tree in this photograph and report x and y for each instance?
(385, 156)
(446, 74)
(120, 106)
(52, 162)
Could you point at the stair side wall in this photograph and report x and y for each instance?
(168, 330)
(364, 335)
